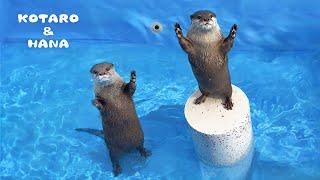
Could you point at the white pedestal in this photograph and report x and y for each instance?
(238, 171)
(221, 137)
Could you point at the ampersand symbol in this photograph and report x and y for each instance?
(47, 31)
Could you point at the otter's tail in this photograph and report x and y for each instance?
(95, 132)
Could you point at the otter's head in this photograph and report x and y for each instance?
(204, 20)
(103, 74)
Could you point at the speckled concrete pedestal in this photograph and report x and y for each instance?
(238, 171)
(221, 137)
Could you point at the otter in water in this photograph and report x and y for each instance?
(207, 52)
(121, 127)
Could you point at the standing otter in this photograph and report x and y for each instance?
(207, 52)
(121, 127)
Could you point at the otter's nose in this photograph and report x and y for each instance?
(206, 19)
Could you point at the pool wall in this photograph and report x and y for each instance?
(275, 25)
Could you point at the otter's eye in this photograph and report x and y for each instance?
(211, 16)
(199, 17)
(95, 72)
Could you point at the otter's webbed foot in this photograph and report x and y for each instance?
(200, 99)
(228, 104)
(144, 152)
(116, 170)
(114, 156)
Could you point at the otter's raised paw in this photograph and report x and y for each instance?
(228, 104)
(133, 76)
(178, 30)
(177, 26)
(117, 170)
(200, 99)
(145, 152)
(233, 31)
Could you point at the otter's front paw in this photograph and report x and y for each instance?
(97, 103)
(233, 31)
(133, 76)
(178, 30)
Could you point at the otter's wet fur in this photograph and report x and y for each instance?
(207, 53)
(121, 127)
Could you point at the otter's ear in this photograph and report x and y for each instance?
(112, 67)
(191, 16)
(91, 70)
(214, 15)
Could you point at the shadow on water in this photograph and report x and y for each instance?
(167, 135)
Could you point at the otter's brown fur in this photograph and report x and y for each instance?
(121, 126)
(207, 53)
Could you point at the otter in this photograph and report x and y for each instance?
(121, 127)
(207, 53)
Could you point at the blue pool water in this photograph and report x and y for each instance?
(45, 93)
(42, 103)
